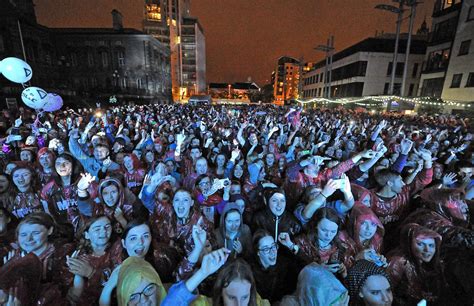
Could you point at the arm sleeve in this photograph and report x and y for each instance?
(399, 163)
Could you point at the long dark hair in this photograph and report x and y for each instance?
(324, 213)
(236, 270)
(76, 168)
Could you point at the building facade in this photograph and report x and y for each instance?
(194, 57)
(86, 63)
(285, 79)
(170, 22)
(459, 82)
(365, 69)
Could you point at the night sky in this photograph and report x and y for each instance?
(244, 38)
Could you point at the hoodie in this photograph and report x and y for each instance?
(243, 234)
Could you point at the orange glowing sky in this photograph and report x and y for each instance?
(244, 38)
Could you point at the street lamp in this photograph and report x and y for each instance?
(329, 49)
(399, 11)
(412, 4)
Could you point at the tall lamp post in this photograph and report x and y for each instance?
(399, 11)
(329, 49)
(412, 4)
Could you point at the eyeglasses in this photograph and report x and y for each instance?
(267, 250)
(148, 291)
(204, 183)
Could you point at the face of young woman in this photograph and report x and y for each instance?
(33, 237)
(182, 203)
(237, 293)
(99, 232)
(150, 157)
(46, 160)
(220, 160)
(205, 184)
(270, 160)
(367, 230)
(238, 171)
(4, 183)
(232, 222)
(63, 166)
(267, 251)
(327, 230)
(128, 163)
(26, 156)
(146, 293)
(424, 249)
(110, 194)
(138, 241)
(376, 291)
(277, 204)
(22, 178)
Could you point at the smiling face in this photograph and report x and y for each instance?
(99, 233)
(277, 204)
(424, 249)
(182, 203)
(101, 153)
(201, 166)
(327, 230)
(238, 171)
(138, 241)
(270, 160)
(237, 293)
(128, 163)
(232, 222)
(367, 230)
(110, 194)
(22, 178)
(26, 155)
(267, 251)
(33, 237)
(63, 166)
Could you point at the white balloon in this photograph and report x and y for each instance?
(16, 70)
(53, 102)
(34, 97)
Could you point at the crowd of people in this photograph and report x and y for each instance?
(173, 204)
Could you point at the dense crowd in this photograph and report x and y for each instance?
(213, 205)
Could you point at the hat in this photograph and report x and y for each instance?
(359, 273)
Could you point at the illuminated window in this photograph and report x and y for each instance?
(153, 12)
(178, 39)
(174, 22)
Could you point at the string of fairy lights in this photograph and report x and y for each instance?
(384, 100)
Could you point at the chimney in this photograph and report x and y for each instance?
(117, 20)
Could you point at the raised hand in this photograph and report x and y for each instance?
(406, 146)
(85, 181)
(449, 179)
(318, 160)
(214, 261)
(199, 234)
(180, 139)
(330, 187)
(235, 153)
